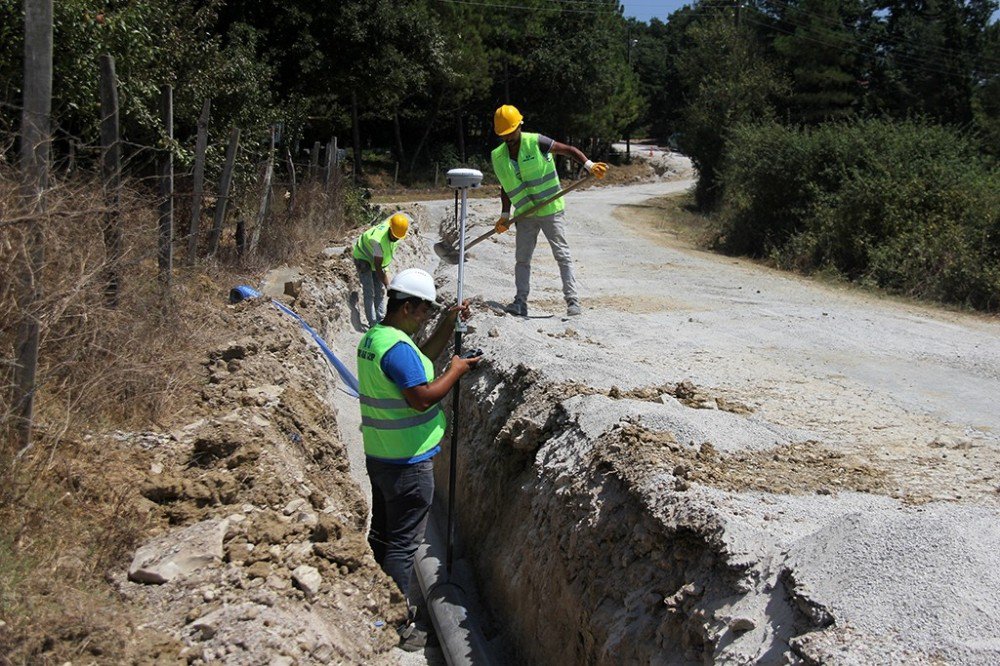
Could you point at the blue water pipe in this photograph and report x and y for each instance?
(244, 292)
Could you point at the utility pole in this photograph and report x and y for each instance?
(628, 130)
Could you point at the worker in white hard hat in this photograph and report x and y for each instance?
(526, 169)
(402, 424)
(372, 254)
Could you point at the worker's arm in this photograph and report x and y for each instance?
(381, 274)
(438, 340)
(503, 224)
(572, 152)
(425, 396)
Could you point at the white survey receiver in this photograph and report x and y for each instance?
(464, 178)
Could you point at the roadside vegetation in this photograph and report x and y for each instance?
(857, 139)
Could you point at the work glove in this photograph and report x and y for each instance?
(503, 224)
(597, 169)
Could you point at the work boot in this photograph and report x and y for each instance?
(413, 638)
(517, 308)
(573, 309)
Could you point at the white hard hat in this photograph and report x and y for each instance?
(414, 282)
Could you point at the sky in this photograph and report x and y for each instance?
(647, 9)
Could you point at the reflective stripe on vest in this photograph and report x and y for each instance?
(390, 428)
(379, 234)
(538, 180)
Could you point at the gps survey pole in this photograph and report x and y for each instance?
(461, 180)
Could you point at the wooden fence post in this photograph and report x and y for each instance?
(201, 144)
(111, 173)
(314, 160)
(165, 255)
(223, 195)
(265, 198)
(35, 140)
(291, 175)
(328, 164)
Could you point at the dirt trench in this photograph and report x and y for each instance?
(591, 553)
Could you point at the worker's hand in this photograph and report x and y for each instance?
(463, 365)
(503, 224)
(598, 169)
(462, 311)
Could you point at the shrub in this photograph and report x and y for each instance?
(907, 206)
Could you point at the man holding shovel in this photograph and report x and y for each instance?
(525, 167)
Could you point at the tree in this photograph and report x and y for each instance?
(725, 80)
(819, 51)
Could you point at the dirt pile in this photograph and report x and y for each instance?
(260, 451)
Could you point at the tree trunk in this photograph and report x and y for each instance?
(265, 198)
(201, 144)
(427, 133)
(356, 136)
(111, 172)
(400, 155)
(314, 160)
(165, 255)
(35, 139)
(223, 196)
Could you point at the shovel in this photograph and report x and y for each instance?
(449, 253)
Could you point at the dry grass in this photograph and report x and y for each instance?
(69, 510)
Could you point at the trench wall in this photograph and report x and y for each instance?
(584, 553)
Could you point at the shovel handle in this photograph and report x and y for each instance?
(520, 216)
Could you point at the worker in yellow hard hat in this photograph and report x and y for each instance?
(524, 165)
(372, 254)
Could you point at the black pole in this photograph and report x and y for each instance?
(453, 471)
(453, 466)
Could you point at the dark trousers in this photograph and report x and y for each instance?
(401, 500)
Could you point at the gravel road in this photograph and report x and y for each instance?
(906, 564)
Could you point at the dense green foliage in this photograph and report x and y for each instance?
(413, 75)
(909, 206)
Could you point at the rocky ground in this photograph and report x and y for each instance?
(258, 554)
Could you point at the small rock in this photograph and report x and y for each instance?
(494, 332)
(208, 595)
(259, 570)
(294, 506)
(178, 553)
(307, 579)
(206, 627)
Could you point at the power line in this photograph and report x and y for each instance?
(555, 8)
(898, 40)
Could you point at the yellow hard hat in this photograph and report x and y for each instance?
(506, 119)
(399, 224)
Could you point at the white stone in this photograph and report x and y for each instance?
(307, 579)
(179, 552)
(294, 506)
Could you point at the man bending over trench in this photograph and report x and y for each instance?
(402, 425)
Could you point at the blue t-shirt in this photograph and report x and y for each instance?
(402, 365)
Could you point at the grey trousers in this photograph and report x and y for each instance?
(372, 292)
(526, 237)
